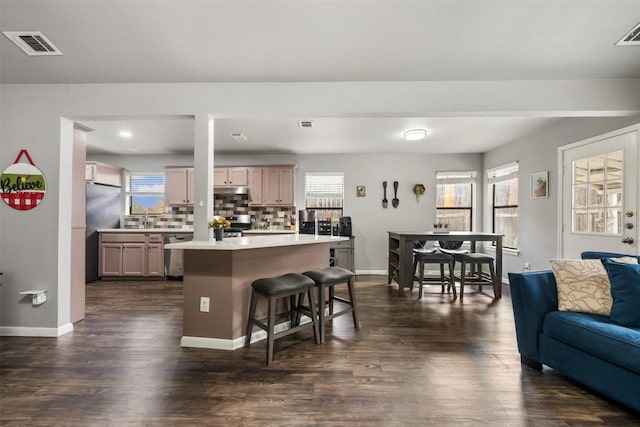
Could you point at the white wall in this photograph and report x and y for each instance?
(31, 242)
(538, 218)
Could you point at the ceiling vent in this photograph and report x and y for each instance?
(631, 38)
(238, 137)
(305, 124)
(33, 43)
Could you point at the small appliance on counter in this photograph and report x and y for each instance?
(306, 222)
(343, 227)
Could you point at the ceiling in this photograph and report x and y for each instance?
(105, 41)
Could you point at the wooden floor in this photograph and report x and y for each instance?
(429, 362)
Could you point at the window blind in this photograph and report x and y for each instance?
(502, 173)
(459, 177)
(145, 183)
(323, 189)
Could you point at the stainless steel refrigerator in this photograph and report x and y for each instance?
(104, 210)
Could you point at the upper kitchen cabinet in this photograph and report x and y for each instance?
(100, 173)
(255, 187)
(178, 186)
(231, 177)
(277, 186)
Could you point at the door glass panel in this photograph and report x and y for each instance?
(597, 194)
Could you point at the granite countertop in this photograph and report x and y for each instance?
(256, 242)
(145, 230)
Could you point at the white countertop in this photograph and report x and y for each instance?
(270, 231)
(145, 230)
(255, 242)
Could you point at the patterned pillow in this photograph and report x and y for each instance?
(583, 285)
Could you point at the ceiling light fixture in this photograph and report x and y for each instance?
(126, 134)
(415, 134)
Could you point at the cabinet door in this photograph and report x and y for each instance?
(255, 187)
(111, 259)
(344, 258)
(220, 177)
(238, 176)
(175, 187)
(271, 186)
(285, 177)
(133, 259)
(155, 260)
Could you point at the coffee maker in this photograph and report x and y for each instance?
(343, 227)
(306, 222)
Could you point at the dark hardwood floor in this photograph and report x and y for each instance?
(429, 362)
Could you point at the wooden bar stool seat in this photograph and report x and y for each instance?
(292, 286)
(477, 277)
(328, 278)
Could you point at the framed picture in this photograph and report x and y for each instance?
(361, 191)
(540, 185)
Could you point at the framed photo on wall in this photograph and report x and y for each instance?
(540, 185)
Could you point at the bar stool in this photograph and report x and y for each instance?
(475, 259)
(419, 261)
(289, 285)
(328, 278)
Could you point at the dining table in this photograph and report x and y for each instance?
(401, 253)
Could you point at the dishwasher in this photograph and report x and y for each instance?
(173, 258)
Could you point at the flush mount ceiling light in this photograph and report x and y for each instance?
(414, 134)
(126, 134)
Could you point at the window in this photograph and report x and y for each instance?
(454, 199)
(503, 188)
(324, 194)
(144, 193)
(597, 194)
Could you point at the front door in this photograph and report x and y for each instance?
(600, 195)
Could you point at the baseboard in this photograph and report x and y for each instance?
(25, 331)
(372, 272)
(234, 344)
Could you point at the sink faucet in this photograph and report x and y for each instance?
(145, 222)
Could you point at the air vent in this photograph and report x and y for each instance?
(238, 137)
(304, 124)
(33, 43)
(632, 38)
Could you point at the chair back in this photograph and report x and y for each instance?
(451, 244)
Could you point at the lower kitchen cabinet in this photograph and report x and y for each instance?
(131, 255)
(342, 254)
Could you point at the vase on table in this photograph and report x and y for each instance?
(218, 232)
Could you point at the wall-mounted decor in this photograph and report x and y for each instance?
(22, 185)
(540, 185)
(419, 190)
(361, 191)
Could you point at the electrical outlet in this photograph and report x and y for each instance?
(526, 267)
(204, 304)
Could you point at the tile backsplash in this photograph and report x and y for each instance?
(225, 205)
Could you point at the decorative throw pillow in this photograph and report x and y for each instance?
(583, 285)
(625, 290)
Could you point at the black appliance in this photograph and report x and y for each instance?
(324, 227)
(104, 210)
(309, 227)
(343, 227)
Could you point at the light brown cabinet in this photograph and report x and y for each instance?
(131, 255)
(277, 186)
(255, 187)
(178, 186)
(231, 177)
(100, 173)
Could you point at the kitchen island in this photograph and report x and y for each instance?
(223, 272)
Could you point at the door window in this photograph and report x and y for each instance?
(597, 194)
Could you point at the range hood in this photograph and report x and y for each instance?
(230, 190)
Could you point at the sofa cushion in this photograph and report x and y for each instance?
(583, 286)
(602, 255)
(625, 291)
(597, 335)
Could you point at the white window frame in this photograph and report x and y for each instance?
(495, 175)
(151, 191)
(460, 177)
(328, 186)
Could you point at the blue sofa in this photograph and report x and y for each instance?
(588, 348)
